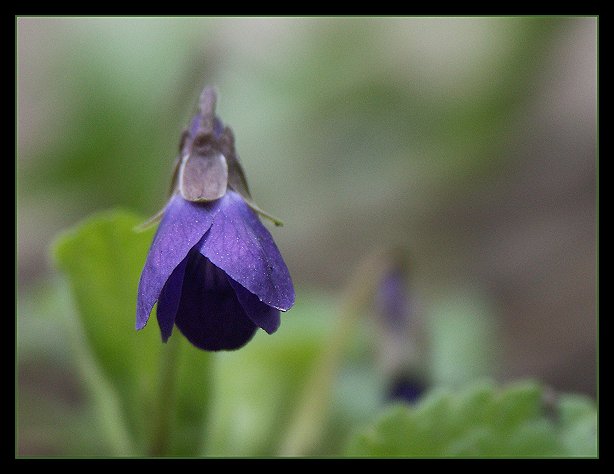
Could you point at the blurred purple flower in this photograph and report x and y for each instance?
(213, 268)
(401, 342)
(392, 300)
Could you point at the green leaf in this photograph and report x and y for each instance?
(102, 259)
(578, 419)
(480, 421)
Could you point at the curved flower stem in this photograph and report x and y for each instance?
(310, 417)
(163, 412)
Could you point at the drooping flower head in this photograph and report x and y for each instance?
(213, 268)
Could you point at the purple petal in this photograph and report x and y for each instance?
(210, 315)
(194, 125)
(239, 244)
(183, 225)
(218, 126)
(261, 314)
(168, 303)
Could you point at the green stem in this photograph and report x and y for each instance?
(163, 412)
(310, 417)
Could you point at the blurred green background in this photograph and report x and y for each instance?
(471, 142)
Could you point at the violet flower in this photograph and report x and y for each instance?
(213, 268)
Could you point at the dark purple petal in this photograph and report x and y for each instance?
(168, 303)
(239, 244)
(210, 315)
(183, 225)
(261, 314)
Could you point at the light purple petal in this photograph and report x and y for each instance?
(240, 245)
(183, 225)
(210, 315)
(392, 300)
(261, 314)
(194, 125)
(168, 302)
(218, 126)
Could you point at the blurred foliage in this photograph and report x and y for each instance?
(102, 259)
(58, 421)
(482, 421)
(352, 130)
(578, 425)
(463, 338)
